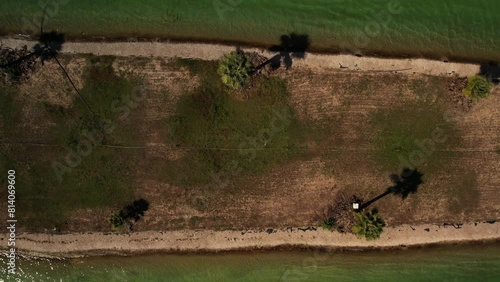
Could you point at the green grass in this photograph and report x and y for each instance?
(400, 129)
(103, 178)
(107, 95)
(100, 181)
(8, 109)
(464, 195)
(229, 135)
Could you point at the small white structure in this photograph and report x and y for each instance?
(355, 206)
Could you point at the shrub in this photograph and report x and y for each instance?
(369, 225)
(117, 221)
(329, 223)
(477, 87)
(130, 212)
(235, 70)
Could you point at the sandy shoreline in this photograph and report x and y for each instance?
(312, 61)
(92, 244)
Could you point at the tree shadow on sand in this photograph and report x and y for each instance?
(404, 184)
(492, 71)
(48, 47)
(133, 212)
(291, 47)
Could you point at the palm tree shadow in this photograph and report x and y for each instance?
(291, 47)
(49, 45)
(404, 184)
(492, 71)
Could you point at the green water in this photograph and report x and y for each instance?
(455, 29)
(452, 263)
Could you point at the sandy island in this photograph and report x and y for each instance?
(89, 244)
(68, 245)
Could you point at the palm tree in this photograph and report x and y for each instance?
(369, 225)
(235, 69)
(477, 87)
(404, 184)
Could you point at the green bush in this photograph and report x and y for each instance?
(117, 221)
(329, 223)
(235, 70)
(477, 87)
(369, 225)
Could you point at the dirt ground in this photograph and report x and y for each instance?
(338, 156)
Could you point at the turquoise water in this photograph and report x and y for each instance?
(455, 29)
(452, 263)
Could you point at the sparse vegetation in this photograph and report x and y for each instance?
(368, 225)
(339, 214)
(108, 96)
(329, 223)
(96, 180)
(129, 213)
(477, 87)
(406, 132)
(235, 69)
(231, 136)
(16, 64)
(197, 131)
(8, 111)
(117, 221)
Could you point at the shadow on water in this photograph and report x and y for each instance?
(292, 46)
(404, 184)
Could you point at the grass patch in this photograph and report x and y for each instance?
(227, 135)
(409, 135)
(108, 96)
(9, 109)
(206, 70)
(194, 221)
(100, 179)
(464, 195)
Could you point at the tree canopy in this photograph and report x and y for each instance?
(477, 87)
(235, 69)
(369, 225)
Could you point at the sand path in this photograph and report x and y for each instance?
(215, 51)
(69, 245)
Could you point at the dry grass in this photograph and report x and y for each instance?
(341, 115)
